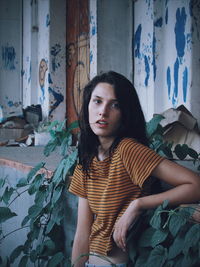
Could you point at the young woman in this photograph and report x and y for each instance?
(114, 172)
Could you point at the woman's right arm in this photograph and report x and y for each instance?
(83, 229)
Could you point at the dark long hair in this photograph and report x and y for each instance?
(133, 122)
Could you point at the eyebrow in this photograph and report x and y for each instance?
(114, 99)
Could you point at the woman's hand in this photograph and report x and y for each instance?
(125, 222)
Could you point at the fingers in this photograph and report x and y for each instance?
(119, 236)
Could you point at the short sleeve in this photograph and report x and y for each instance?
(77, 185)
(139, 160)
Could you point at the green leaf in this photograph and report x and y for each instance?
(57, 177)
(145, 239)
(176, 247)
(56, 259)
(48, 247)
(34, 211)
(155, 221)
(181, 151)
(152, 125)
(50, 147)
(2, 182)
(33, 171)
(6, 214)
(175, 223)
(22, 182)
(157, 257)
(38, 180)
(73, 125)
(25, 220)
(158, 237)
(23, 262)
(57, 193)
(33, 255)
(192, 237)
(40, 195)
(7, 194)
(15, 253)
(192, 153)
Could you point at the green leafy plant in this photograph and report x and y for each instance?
(165, 237)
(162, 230)
(155, 134)
(44, 245)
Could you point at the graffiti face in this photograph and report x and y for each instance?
(42, 71)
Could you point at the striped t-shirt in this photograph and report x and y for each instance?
(112, 185)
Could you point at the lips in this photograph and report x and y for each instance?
(102, 123)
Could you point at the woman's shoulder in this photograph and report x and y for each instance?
(128, 142)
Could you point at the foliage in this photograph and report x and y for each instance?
(155, 134)
(165, 237)
(44, 243)
(161, 242)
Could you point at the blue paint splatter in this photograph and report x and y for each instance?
(22, 72)
(42, 98)
(179, 31)
(166, 16)
(147, 70)
(158, 22)
(47, 20)
(29, 79)
(175, 93)
(8, 57)
(91, 56)
(55, 50)
(154, 56)
(185, 83)
(10, 103)
(93, 30)
(169, 81)
(137, 39)
(49, 78)
(58, 99)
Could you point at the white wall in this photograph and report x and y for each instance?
(10, 58)
(167, 55)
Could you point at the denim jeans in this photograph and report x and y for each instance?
(94, 265)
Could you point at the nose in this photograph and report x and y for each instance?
(103, 111)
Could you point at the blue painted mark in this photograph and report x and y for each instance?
(47, 20)
(158, 22)
(91, 56)
(166, 2)
(55, 50)
(179, 31)
(49, 78)
(175, 93)
(42, 98)
(137, 39)
(10, 103)
(29, 79)
(58, 99)
(185, 83)
(169, 81)
(166, 16)
(147, 70)
(8, 57)
(22, 72)
(154, 56)
(93, 29)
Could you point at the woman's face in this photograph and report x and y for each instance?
(104, 111)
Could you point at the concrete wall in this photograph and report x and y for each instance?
(33, 61)
(10, 58)
(167, 55)
(114, 36)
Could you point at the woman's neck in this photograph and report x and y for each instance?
(104, 147)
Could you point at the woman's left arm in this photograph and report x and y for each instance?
(186, 190)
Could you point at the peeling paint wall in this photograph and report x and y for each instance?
(10, 59)
(167, 54)
(57, 67)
